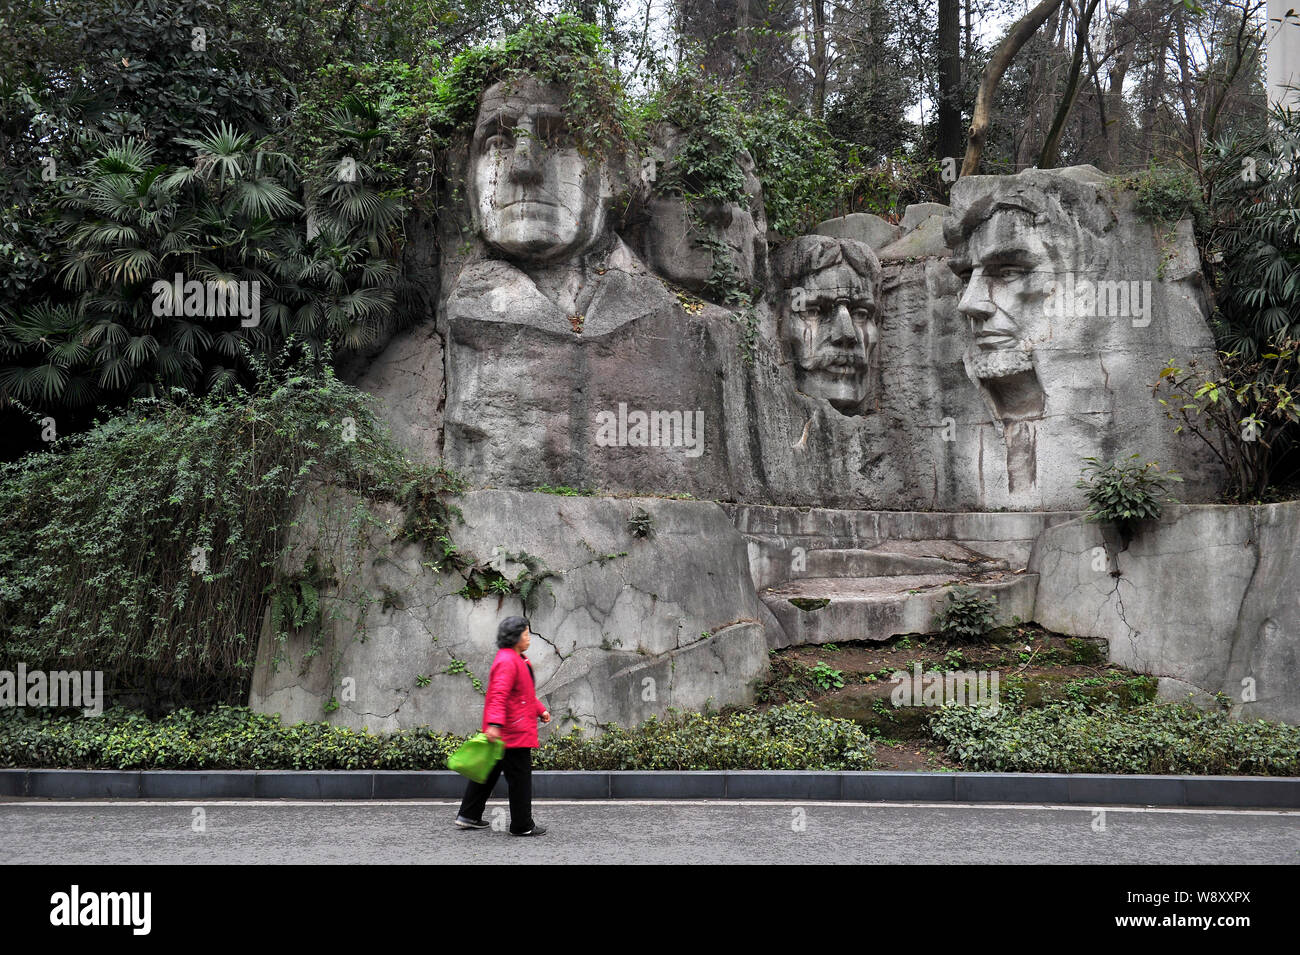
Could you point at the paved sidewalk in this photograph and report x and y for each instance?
(625, 831)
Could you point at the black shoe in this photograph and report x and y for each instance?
(535, 831)
(472, 823)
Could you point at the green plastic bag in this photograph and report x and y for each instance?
(476, 757)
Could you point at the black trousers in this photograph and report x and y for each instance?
(517, 764)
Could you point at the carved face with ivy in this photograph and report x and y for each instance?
(707, 245)
(830, 304)
(535, 196)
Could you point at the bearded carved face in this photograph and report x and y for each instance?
(830, 319)
(535, 196)
(1014, 266)
(1007, 269)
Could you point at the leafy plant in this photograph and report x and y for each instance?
(640, 524)
(1124, 492)
(1246, 412)
(1251, 244)
(965, 614)
(486, 579)
(826, 677)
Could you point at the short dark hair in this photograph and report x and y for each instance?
(509, 631)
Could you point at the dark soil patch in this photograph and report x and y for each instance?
(853, 681)
(900, 757)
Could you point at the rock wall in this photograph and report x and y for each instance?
(626, 626)
(1208, 596)
(1205, 599)
(975, 395)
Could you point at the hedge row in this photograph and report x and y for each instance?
(1073, 737)
(793, 736)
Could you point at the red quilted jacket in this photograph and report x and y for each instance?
(512, 699)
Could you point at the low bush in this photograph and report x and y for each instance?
(965, 614)
(793, 736)
(1124, 492)
(1077, 737)
(788, 680)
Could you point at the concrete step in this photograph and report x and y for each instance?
(771, 563)
(840, 609)
(850, 528)
(787, 543)
(898, 558)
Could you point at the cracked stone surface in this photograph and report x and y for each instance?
(1207, 596)
(628, 626)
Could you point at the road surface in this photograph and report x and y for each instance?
(258, 832)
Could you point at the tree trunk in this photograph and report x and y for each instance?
(819, 58)
(1187, 91)
(1112, 102)
(965, 50)
(948, 133)
(1002, 57)
(1052, 145)
(1038, 95)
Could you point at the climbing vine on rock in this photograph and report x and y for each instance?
(153, 546)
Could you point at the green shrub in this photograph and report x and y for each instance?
(793, 736)
(1166, 194)
(1244, 410)
(965, 614)
(1124, 492)
(1075, 737)
(641, 523)
(787, 680)
(827, 677)
(152, 546)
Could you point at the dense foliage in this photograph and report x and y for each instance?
(155, 151)
(1075, 737)
(1124, 492)
(793, 736)
(1245, 410)
(151, 546)
(1253, 240)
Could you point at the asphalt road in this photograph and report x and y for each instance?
(359, 832)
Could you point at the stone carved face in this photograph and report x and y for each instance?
(1014, 253)
(534, 196)
(1006, 267)
(672, 247)
(829, 318)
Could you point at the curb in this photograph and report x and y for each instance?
(1240, 792)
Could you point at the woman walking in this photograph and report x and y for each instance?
(510, 714)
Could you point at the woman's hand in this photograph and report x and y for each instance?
(494, 733)
(546, 716)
